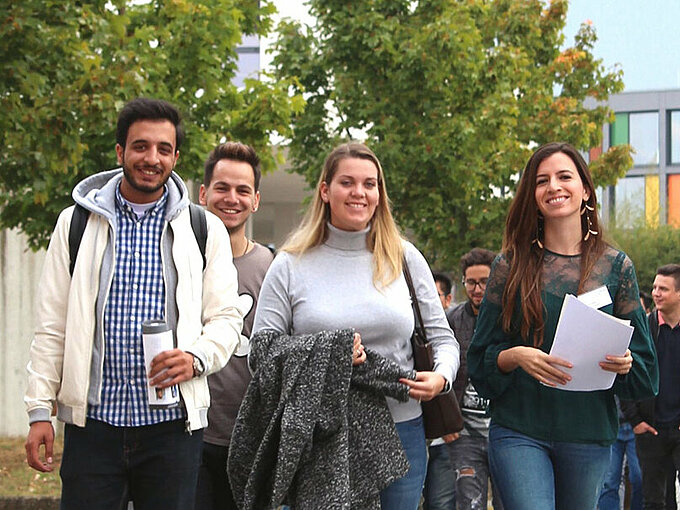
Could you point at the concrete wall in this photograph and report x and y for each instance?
(19, 274)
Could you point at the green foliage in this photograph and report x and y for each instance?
(648, 248)
(66, 69)
(451, 95)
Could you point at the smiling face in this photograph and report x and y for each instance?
(231, 193)
(148, 158)
(475, 280)
(352, 194)
(559, 191)
(665, 294)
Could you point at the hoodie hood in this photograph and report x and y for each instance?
(97, 193)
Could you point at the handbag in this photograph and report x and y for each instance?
(441, 415)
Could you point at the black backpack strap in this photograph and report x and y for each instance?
(200, 227)
(80, 216)
(75, 233)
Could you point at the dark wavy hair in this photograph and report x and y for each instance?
(476, 257)
(144, 108)
(524, 224)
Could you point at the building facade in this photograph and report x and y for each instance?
(650, 192)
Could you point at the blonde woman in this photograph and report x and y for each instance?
(343, 269)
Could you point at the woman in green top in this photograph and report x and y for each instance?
(549, 448)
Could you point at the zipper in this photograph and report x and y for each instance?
(104, 304)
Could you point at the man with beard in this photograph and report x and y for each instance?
(468, 451)
(139, 259)
(230, 190)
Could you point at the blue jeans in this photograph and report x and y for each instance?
(155, 466)
(470, 461)
(404, 494)
(440, 483)
(624, 446)
(532, 474)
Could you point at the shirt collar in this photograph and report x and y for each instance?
(124, 205)
(659, 316)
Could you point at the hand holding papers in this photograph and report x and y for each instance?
(585, 336)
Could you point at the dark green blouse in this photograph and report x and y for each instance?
(520, 402)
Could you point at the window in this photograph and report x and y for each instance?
(674, 137)
(629, 201)
(644, 137)
(618, 132)
(248, 67)
(641, 130)
(247, 59)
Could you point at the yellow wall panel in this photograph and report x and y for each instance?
(652, 200)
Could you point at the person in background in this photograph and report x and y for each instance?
(550, 448)
(468, 452)
(439, 492)
(622, 449)
(646, 301)
(656, 421)
(444, 289)
(138, 260)
(230, 190)
(342, 268)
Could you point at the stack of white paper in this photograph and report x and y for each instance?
(584, 336)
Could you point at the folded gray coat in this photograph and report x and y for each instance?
(313, 431)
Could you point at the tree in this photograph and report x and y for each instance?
(648, 247)
(66, 69)
(452, 95)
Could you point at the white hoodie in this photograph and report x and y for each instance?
(66, 359)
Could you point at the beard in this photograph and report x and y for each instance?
(129, 174)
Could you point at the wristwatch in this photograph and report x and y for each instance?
(198, 366)
(447, 386)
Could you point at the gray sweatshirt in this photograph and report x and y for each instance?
(331, 287)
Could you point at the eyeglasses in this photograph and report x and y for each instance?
(471, 284)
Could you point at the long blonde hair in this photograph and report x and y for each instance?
(383, 240)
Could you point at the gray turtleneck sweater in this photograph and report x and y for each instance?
(331, 287)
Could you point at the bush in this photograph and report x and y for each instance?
(649, 248)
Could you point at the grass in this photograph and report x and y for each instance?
(17, 479)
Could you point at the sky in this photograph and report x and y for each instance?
(640, 35)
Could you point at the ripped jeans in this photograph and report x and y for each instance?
(470, 463)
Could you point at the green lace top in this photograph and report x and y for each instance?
(520, 402)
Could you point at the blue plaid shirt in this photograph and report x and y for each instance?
(137, 293)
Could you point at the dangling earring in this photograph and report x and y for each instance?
(587, 209)
(539, 231)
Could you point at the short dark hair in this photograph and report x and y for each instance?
(144, 108)
(236, 151)
(646, 300)
(476, 257)
(444, 281)
(671, 270)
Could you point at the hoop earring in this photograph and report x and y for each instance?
(586, 210)
(539, 231)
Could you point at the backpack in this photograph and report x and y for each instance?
(81, 215)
